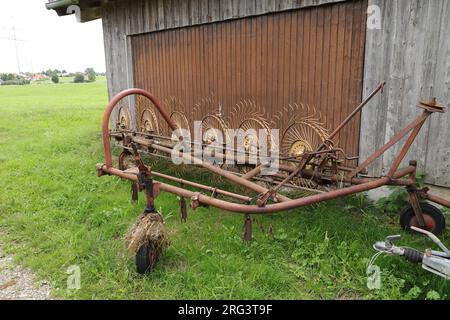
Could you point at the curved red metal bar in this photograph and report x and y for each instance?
(110, 108)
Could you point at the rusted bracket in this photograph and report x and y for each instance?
(145, 181)
(248, 229)
(134, 192)
(264, 198)
(415, 204)
(183, 209)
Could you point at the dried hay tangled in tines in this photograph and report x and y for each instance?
(149, 229)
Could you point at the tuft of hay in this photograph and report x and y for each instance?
(149, 229)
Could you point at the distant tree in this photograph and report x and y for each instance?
(79, 78)
(91, 74)
(92, 77)
(16, 82)
(55, 78)
(8, 76)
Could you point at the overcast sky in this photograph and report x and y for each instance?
(47, 41)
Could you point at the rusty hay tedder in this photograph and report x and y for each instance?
(309, 160)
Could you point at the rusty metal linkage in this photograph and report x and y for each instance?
(321, 168)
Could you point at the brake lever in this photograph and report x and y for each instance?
(390, 239)
(434, 239)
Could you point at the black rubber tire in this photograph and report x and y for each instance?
(143, 264)
(433, 213)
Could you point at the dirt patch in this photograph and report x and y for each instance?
(18, 283)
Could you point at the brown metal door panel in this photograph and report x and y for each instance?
(312, 57)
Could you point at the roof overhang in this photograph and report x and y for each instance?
(88, 9)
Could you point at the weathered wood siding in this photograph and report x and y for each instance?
(313, 56)
(411, 52)
(140, 16)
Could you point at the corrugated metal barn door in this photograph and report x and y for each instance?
(313, 56)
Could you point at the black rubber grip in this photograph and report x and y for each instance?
(413, 255)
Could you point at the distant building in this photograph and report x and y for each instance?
(39, 76)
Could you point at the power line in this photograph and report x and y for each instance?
(15, 43)
(13, 39)
(9, 28)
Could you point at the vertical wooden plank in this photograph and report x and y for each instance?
(215, 11)
(243, 88)
(176, 63)
(223, 63)
(234, 8)
(203, 11)
(184, 12)
(300, 38)
(250, 7)
(438, 151)
(306, 57)
(165, 64)
(236, 60)
(356, 85)
(269, 66)
(211, 61)
(182, 64)
(161, 20)
(169, 14)
(319, 53)
(225, 10)
(194, 14)
(347, 140)
(282, 62)
(191, 67)
(333, 66)
(151, 14)
(325, 75)
(339, 68)
(253, 52)
(293, 59)
(108, 46)
(260, 62)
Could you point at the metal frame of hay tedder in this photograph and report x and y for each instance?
(310, 161)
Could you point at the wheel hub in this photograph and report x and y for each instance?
(430, 224)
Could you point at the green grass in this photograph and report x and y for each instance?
(55, 212)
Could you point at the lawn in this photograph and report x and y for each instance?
(55, 212)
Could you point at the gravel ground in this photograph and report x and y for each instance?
(18, 283)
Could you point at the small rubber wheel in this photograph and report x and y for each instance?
(145, 260)
(434, 219)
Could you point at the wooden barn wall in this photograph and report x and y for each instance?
(130, 17)
(312, 56)
(411, 52)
